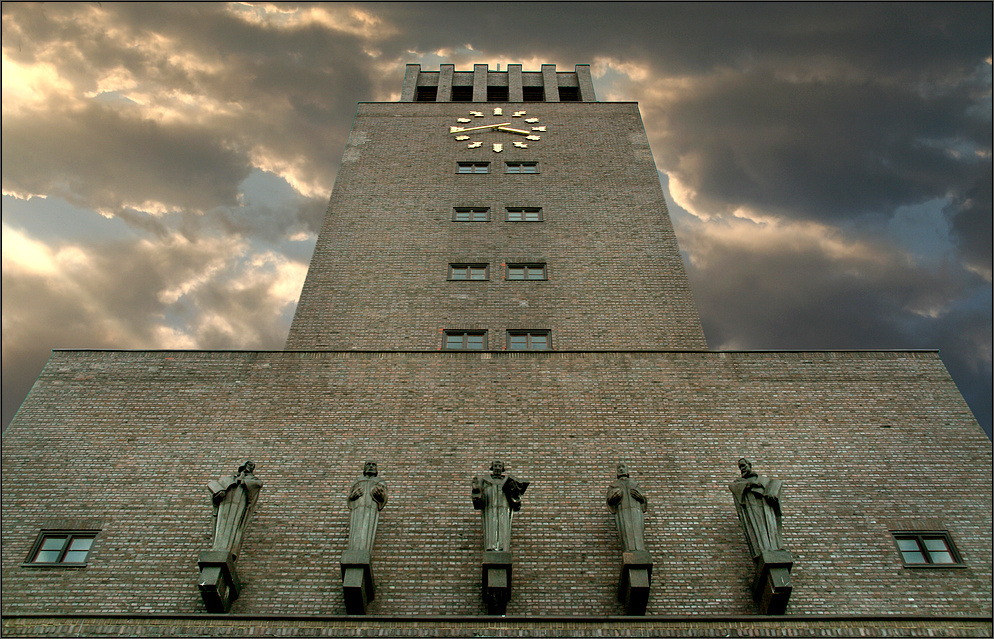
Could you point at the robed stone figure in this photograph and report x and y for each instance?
(233, 498)
(497, 497)
(626, 500)
(757, 503)
(366, 499)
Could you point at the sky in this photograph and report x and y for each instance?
(827, 166)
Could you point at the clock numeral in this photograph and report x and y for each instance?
(463, 120)
(498, 111)
(475, 114)
(533, 137)
(462, 137)
(521, 145)
(498, 147)
(533, 120)
(474, 145)
(518, 114)
(538, 128)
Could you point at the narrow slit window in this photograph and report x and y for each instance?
(522, 167)
(471, 214)
(473, 167)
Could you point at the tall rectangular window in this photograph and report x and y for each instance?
(62, 548)
(526, 272)
(528, 340)
(521, 167)
(470, 214)
(524, 215)
(927, 548)
(465, 340)
(473, 167)
(477, 272)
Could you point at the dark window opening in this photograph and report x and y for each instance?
(477, 272)
(462, 94)
(524, 215)
(61, 548)
(528, 340)
(471, 215)
(927, 548)
(533, 94)
(497, 94)
(569, 94)
(473, 167)
(526, 272)
(465, 340)
(426, 94)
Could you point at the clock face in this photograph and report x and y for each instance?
(517, 130)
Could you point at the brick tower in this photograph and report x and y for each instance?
(497, 278)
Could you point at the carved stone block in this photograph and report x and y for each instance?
(218, 583)
(496, 581)
(358, 585)
(636, 578)
(771, 588)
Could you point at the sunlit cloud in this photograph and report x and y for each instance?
(31, 87)
(341, 18)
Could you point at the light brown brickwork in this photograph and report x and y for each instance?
(862, 440)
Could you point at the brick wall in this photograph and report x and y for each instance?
(863, 441)
(378, 276)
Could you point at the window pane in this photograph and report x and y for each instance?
(75, 556)
(513, 168)
(529, 168)
(519, 341)
(907, 544)
(938, 550)
(47, 556)
(465, 168)
(81, 543)
(536, 273)
(460, 273)
(515, 273)
(461, 216)
(913, 557)
(478, 273)
(479, 216)
(53, 543)
(514, 216)
(474, 341)
(453, 341)
(532, 216)
(540, 342)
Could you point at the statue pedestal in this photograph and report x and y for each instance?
(218, 581)
(771, 588)
(357, 581)
(496, 581)
(636, 576)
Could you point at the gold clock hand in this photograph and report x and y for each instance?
(459, 129)
(510, 130)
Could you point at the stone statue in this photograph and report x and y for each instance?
(498, 497)
(234, 500)
(757, 501)
(366, 499)
(628, 504)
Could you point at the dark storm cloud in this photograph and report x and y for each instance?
(856, 136)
